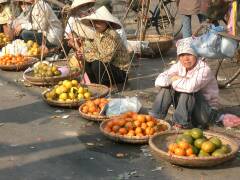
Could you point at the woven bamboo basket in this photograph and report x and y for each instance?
(159, 44)
(21, 67)
(126, 139)
(46, 81)
(159, 142)
(97, 90)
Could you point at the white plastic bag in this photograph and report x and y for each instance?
(122, 105)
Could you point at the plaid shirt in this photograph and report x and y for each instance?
(108, 48)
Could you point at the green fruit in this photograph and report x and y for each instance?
(216, 141)
(203, 154)
(195, 150)
(58, 90)
(208, 146)
(184, 137)
(226, 148)
(196, 133)
(198, 142)
(80, 96)
(187, 132)
(218, 153)
(87, 95)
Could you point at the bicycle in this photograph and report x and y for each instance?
(162, 17)
(227, 70)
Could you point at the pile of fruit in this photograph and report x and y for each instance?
(20, 47)
(45, 69)
(193, 143)
(3, 39)
(134, 125)
(68, 91)
(13, 60)
(94, 107)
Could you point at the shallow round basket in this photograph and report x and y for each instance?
(97, 90)
(159, 143)
(158, 43)
(93, 117)
(21, 67)
(126, 139)
(46, 81)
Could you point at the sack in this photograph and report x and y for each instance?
(214, 9)
(122, 105)
(214, 46)
(231, 120)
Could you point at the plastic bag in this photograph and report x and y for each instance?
(214, 46)
(209, 44)
(122, 105)
(230, 120)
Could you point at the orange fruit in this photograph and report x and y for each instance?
(143, 126)
(92, 109)
(137, 123)
(151, 131)
(123, 131)
(150, 123)
(147, 131)
(134, 116)
(85, 109)
(140, 135)
(148, 118)
(141, 118)
(107, 129)
(189, 151)
(179, 152)
(115, 128)
(129, 125)
(97, 101)
(121, 122)
(110, 124)
(138, 130)
(131, 133)
(183, 145)
(172, 147)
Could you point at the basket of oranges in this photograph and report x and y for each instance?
(92, 109)
(193, 148)
(16, 63)
(133, 128)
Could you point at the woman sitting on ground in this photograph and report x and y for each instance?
(105, 55)
(190, 87)
(36, 21)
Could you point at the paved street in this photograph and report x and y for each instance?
(40, 142)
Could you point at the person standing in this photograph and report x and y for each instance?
(187, 8)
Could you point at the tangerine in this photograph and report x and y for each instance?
(183, 145)
(123, 131)
(179, 152)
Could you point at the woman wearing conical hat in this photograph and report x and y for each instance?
(5, 15)
(105, 55)
(78, 9)
(37, 20)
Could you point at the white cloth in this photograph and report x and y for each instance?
(184, 46)
(69, 26)
(44, 20)
(200, 78)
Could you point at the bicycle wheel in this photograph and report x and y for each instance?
(228, 71)
(167, 19)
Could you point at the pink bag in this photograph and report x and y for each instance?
(230, 120)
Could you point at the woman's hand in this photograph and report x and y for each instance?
(17, 30)
(175, 77)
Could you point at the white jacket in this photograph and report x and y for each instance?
(43, 19)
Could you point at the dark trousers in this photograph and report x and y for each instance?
(191, 109)
(27, 35)
(97, 73)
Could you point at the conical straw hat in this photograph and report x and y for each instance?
(82, 30)
(4, 1)
(27, 1)
(102, 14)
(79, 3)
